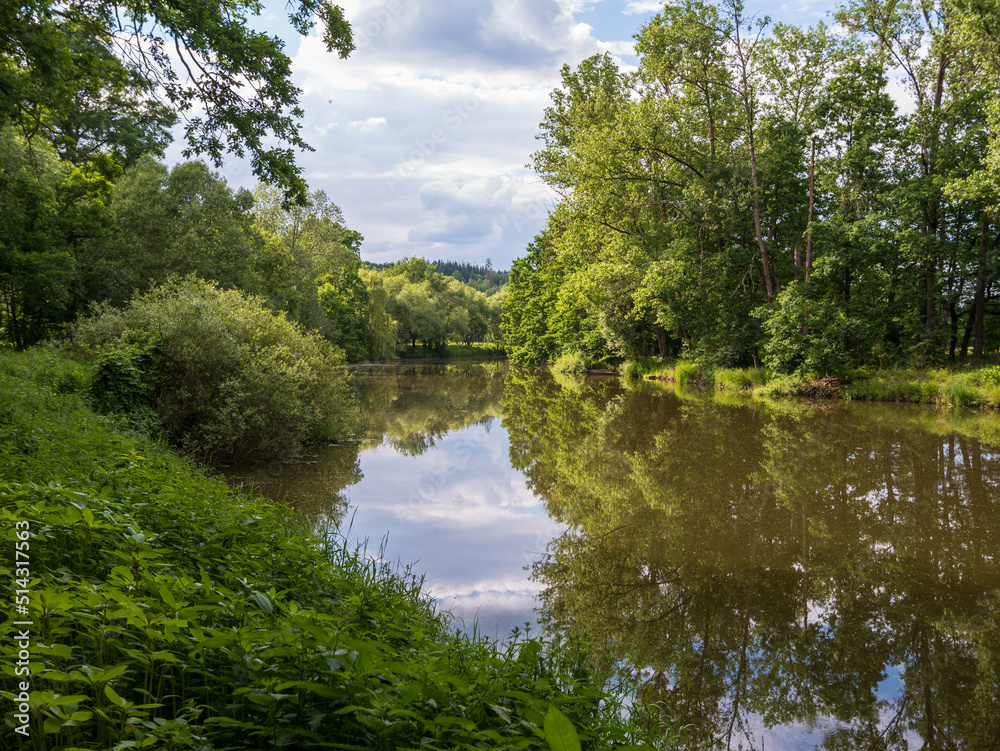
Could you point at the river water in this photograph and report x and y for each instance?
(782, 576)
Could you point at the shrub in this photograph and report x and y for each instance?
(960, 394)
(571, 362)
(229, 379)
(633, 369)
(783, 386)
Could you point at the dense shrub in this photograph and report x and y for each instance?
(229, 379)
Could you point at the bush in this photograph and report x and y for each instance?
(783, 386)
(571, 362)
(229, 379)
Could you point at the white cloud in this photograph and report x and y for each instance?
(368, 124)
(640, 7)
(443, 99)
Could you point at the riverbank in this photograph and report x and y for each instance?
(966, 387)
(453, 352)
(168, 611)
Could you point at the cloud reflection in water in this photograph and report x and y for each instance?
(460, 515)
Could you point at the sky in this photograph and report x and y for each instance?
(424, 134)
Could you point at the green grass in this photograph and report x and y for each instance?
(171, 613)
(966, 387)
(649, 368)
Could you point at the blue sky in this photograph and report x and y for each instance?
(423, 135)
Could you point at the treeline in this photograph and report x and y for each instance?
(482, 278)
(754, 194)
(104, 230)
(434, 309)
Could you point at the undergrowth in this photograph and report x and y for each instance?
(171, 613)
(965, 387)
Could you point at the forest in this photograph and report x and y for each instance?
(809, 199)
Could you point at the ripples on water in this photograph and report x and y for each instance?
(783, 576)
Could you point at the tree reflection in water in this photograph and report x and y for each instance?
(831, 567)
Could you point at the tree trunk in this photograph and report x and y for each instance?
(812, 203)
(661, 340)
(979, 300)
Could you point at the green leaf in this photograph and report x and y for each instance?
(168, 596)
(559, 731)
(113, 695)
(262, 601)
(60, 700)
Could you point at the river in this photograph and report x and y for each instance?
(781, 576)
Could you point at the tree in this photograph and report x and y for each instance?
(380, 329)
(173, 223)
(344, 298)
(50, 210)
(113, 111)
(231, 84)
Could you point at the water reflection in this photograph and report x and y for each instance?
(828, 569)
(781, 576)
(430, 470)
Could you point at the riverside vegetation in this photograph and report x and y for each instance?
(757, 194)
(170, 612)
(968, 387)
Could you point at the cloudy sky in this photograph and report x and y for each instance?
(423, 135)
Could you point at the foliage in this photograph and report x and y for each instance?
(380, 329)
(235, 78)
(435, 309)
(740, 379)
(805, 336)
(50, 210)
(482, 278)
(693, 373)
(173, 613)
(571, 362)
(752, 193)
(181, 221)
(229, 379)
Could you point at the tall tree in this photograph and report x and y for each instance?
(231, 84)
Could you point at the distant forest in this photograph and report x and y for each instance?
(483, 278)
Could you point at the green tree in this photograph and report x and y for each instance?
(176, 222)
(51, 209)
(380, 328)
(230, 83)
(345, 300)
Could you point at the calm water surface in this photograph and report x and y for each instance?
(782, 576)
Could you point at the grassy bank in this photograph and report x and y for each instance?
(169, 613)
(960, 387)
